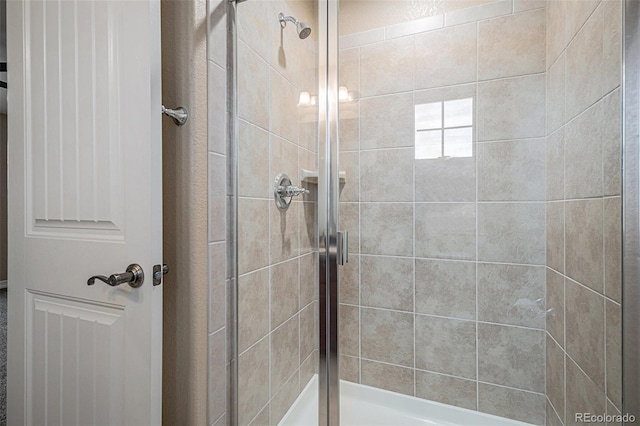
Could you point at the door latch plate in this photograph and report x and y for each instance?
(158, 272)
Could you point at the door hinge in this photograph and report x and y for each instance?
(158, 272)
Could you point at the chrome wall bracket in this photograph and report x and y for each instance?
(179, 115)
(284, 191)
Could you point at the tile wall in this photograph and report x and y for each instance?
(583, 352)
(277, 250)
(444, 297)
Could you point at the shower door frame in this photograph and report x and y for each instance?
(328, 215)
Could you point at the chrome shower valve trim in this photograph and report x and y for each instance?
(284, 191)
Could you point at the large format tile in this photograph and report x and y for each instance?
(445, 179)
(387, 67)
(584, 64)
(446, 230)
(583, 396)
(217, 380)
(612, 142)
(386, 175)
(308, 341)
(556, 29)
(446, 389)
(511, 356)
(389, 377)
(511, 294)
(583, 154)
(217, 286)
(612, 30)
(555, 374)
(350, 221)
(511, 232)
(350, 164)
(308, 279)
(217, 191)
(284, 291)
(445, 345)
(350, 281)
(386, 229)
(387, 336)
(555, 305)
(350, 369)
(285, 235)
(387, 121)
(285, 355)
(253, 162)
(512, 45)
(284, 107)
(253, 87)
(585, 331)
(253, 309)
(555, 166)
(584, 242)
(555, 235)
(253, 234)
(286, 396)
(349, 334)
(511, 171)
(514, 404)
(613, 248)
(253, 381)
(614, 352)
(446, 57)
(556, 95)
(446, 288)
(387, 282)
(513, 108)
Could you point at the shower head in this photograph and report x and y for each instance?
(303, 29)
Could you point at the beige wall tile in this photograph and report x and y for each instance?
(387, 336)
(217, 186)
(253, 234)
(349, 333)
(555, 166)
(285, 236)
(583, 153)
(577, 13)
(522, 5)
(350, 221)
(387, 229)
(308, 278)
(414, 26)
(389, 377)
(511, 356)
(512, 108)
(552, 417)
(253, 162)
(446, 57)
(253, 381)
(555, 306)
(556, 29)
(387, 121)
(483, 11)
(556, 94)
(387, 67)
(262, 418)
(585, 332)
(253, 309)
(284, 399)
(583, 396)
(254, 30)
(446, 230)
(614, 352)
(511, 232)
(387, 282)
(512, 403)
(584, 242)
(446, 389)
(308, 341)
(308, 369)
(555, 235)
(217, 286)
(446, 288)
(217, 383)
(307, 223)
(611, 44)
(555, 375)
(511, 294)
(612, 410)
(349, 126)
(613, 248)
(284, 107)
(350, 281)
(584, 62)
(511, 171)
(446, 345)
(377, 166)
(512, 45)
(350, 69)
(445, 179)
(253, 87)
(612, 141)
(350, 369)
(217, 109)
(284, 291)
(350, 163)
(285, 355)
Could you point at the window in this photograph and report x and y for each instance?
(444, 129)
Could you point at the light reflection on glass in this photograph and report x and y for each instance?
(444, 129)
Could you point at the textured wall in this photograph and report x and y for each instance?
(584, 51)
(444, 296)
(184, 83)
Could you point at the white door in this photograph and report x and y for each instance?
(84, 199)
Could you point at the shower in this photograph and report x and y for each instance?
(303, 29)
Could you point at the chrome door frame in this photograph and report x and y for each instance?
(630, 210)
(328, 215)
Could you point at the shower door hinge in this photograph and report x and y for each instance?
(343, 247)
(159, 271)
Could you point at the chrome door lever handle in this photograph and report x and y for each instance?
(134, 276)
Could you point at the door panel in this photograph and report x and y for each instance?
(85, 199)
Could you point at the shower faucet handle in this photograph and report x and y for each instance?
(284, 191)
(291, 191)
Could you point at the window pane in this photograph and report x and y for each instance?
(429, 116)
(458, 113)
(428, 144)
(458, 142)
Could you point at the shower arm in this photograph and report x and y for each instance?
(284, 19)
